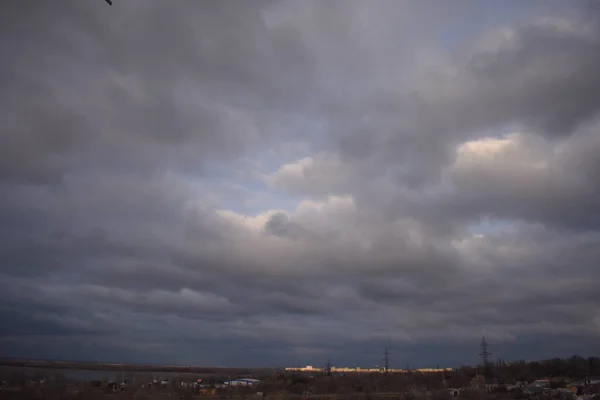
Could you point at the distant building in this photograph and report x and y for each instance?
(243, 382)
(543, 383)
(592, 380)
(310, 368)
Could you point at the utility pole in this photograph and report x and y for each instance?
(386, 361)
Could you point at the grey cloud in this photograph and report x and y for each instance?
(122, 128)
(539, 76)
(124, 97)
(561, 194)
(545, 79)
(280, 225)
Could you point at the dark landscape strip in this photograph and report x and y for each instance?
(129, 367)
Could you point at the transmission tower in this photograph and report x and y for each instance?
(484, 351)
(484, 356)
(328, 368)
(386, 360)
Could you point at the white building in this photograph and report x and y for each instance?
(243, 382)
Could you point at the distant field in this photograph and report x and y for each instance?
(90, 366)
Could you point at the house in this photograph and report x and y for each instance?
(543, 383)
(591, 380)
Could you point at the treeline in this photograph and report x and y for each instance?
(574, 367)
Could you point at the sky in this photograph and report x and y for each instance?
(277, 183)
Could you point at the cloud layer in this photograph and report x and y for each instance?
(280, 182)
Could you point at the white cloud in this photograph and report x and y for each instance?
(513, 150)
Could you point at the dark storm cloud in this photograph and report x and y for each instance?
(280, 225)
(117, 121)
(544, 79)
(539, 76)
(529, 179)
(103, 85)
